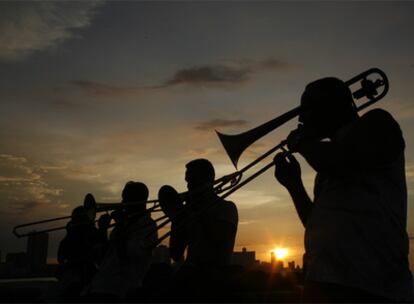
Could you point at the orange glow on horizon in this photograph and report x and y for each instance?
(280, 253)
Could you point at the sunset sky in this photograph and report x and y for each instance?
(94, 94)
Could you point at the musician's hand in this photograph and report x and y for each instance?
(170, 201)
(300, 137)
(119, 216)
(287, 170)
(104, 221)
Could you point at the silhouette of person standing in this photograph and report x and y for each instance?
(355, 228)
(129, 253)
(76, 257)
(208, 229)
(98, 236)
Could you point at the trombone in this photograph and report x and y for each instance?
(91, 206)
(235, 145)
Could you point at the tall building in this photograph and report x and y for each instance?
(277, 265)
(272, 258)
(37, 246)
(291, 266)
(243, 258)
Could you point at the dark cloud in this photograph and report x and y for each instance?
(200, 75)
(220, 123)
(233, 73)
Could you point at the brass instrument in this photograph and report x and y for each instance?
(90, 206)
(236, 144)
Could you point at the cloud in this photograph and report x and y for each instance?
(22, 185)
(226, 73)
(221, 74)
(101, 89)
(247, 222)
(27, 27)
(202, 75)
(221, 123)
(202, 152)
(206, 74)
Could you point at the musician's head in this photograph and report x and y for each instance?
(135, 192)
(199, 173)
(79, 214)
(327, 105)
(79, 219)
(90, 205)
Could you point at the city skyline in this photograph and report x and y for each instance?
(97, 93)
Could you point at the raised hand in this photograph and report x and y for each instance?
(104, 221)
(287, 170)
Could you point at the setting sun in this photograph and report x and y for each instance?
(280, 253)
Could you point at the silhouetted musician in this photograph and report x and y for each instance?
(207, 229)
(77, 256)
(129, 253)
(355, 240)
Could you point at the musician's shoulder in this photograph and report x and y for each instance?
(380, 121)
(229, 204)
(378, 115)
(230, 207)
(229, 212)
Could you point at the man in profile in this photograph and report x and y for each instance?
(206, 226)
(355, 239)
(129, 253)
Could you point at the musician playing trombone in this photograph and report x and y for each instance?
(206, 226)
(79, 252)
(129, 251)
(355, 228)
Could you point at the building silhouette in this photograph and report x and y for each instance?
(277, 265)
(272, 258)
(161, 254)
(17, 258)
(16, 265)
(37, 245)
(244, 258)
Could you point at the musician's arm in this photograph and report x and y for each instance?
(301, 200)
(178, 241)
(288, 173)
(224, 227)
(172, 205)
